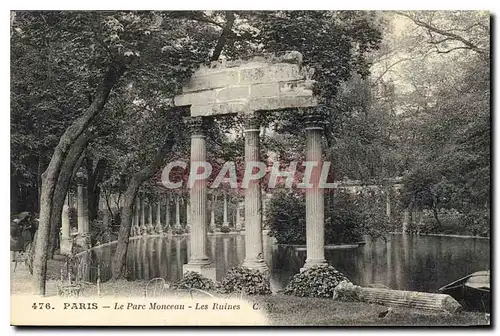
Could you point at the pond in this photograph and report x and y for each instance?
(408, 262)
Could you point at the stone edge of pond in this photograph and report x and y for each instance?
(327, 247)
(442, 235)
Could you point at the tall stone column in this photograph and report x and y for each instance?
(388, 204)
(144, 229)
(150, 218)
(177, 212)
(254, 257)
(66, 242)
(198, 260)
(159, 227)
(137, 215)
(406, 219)
(188, 216)
(83, 223)
(237, 221)
(167, 213)
(212, 212)
(315, 207)
(225, 221)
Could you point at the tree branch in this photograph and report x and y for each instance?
(449, 34)
(226, 31)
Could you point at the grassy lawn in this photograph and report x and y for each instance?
(290, 310)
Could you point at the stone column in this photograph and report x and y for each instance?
(83, 225)
(212, 212)
(66, 242)
(225, 222)
(254, 257)
(188, 216)
(198, 260)
(388, 204)
(406, 219)
(177, 212)
(137, 216)
(167, 213)
(159, 227)
(150, 218)
(144, 229)
(237, 222)
(315, 226)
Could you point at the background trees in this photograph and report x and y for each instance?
(405, 94)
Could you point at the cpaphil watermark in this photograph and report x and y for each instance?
(294, 174)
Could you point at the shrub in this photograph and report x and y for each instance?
(225, 229)
(194, 280)
(100, 233)
(315, 282)
(252, 282)
(178, 231)
(344, 219)
(73, 217)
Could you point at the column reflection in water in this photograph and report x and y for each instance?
(179, 263)
(132, 251)
(240, 249)
(169, 269)
(151, 257)
(268, 253)
(145, 260)
(388, 256)
(405, 244)
(159, 258)
(225, 245)
(213, 245)
(369, 264)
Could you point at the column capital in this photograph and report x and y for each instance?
(197, 125)
(315, 117)
(252, 123)
(81, 177)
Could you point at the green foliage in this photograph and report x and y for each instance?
(100, 233)
(194, 280)
(251, 282)
(178, 230)
(225, 229)
(318, 281)
(344, 218)
(475, 223)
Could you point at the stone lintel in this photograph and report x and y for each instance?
(255, 104)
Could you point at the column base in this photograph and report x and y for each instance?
(207, 270)
(313, 263)
(257, 264)
(66, 246)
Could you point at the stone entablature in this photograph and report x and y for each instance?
(260, 83)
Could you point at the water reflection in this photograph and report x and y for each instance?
(399, 262)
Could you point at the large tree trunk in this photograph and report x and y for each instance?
(112, 75)
(95, 176)
(119, 258)
(65, 176)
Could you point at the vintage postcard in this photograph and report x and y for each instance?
(244, 168)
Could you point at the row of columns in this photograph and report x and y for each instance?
(254, 259)
(140, 225)
(83, 231)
